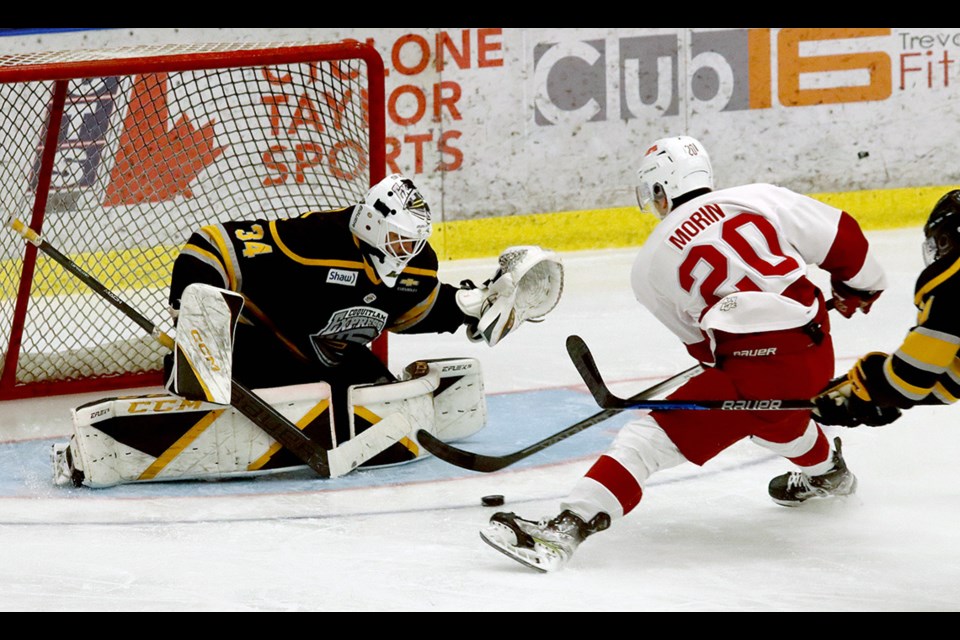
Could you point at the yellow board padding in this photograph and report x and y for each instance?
(565, 231)
(116, 270)
(628, 227)
(589, 229)
(888, 208)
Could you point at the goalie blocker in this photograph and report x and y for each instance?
(201, 362)
(164, 437)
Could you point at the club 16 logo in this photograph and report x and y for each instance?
(627, 77)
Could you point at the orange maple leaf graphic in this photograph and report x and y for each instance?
(154, 163)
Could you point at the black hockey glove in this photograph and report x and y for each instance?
(852, 411)
(846, 400)
(848, 299)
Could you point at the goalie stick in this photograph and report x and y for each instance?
(242, 399)
(488, 463)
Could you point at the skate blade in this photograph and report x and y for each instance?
(827, 497)
(498, 536)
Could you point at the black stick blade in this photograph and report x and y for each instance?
(461, 458)
(586, 366)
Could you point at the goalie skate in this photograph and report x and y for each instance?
(544, 546)
(65, 474)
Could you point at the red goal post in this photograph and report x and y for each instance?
(116, 156)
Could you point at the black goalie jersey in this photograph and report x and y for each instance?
(306, 280)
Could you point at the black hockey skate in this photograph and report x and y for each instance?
(545, 545)
(796, 487)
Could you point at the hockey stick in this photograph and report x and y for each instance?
(583, 360)
(487, 463)
(587, 367)
(242, 399)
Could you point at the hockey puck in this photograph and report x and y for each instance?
(492, 501)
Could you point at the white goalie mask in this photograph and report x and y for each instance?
(394, 222)
(670, 168)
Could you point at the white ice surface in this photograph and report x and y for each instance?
(703, 538)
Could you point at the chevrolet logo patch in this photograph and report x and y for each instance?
(409, 282)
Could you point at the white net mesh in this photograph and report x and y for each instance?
(140, 160)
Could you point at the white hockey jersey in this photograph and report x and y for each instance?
(726, 261)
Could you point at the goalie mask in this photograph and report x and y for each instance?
(393, 225)
(671, 168)
(942, 230)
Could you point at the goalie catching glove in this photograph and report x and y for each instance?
(526, 286)
(847, 402)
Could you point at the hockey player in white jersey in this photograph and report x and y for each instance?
(727, 272)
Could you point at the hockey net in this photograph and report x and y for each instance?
(116, 156)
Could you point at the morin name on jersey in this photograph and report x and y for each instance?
(695, 223)
(340, 276)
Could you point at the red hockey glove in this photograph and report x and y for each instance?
(848, 299)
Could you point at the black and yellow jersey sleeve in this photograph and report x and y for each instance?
(206, 259)
(925, 369)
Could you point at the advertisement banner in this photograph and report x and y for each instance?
(496, 122)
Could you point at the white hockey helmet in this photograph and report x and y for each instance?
(394, 222)
(672, 167)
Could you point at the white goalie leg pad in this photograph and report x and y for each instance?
(373, 403)
(160, 437)
(527, 285)
(459, 401)
(444, 397)
(389, 430)
(203, 353)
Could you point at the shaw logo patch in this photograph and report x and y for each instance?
(340, 276)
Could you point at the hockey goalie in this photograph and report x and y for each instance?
(289, 308)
